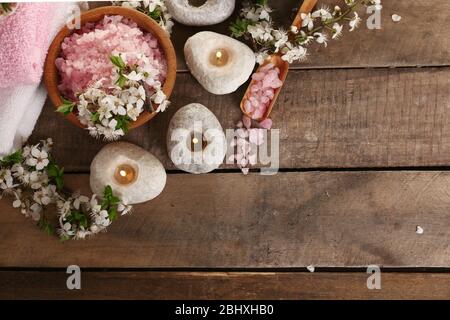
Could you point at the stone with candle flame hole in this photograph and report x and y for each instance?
(134, 174)
(195, 140)
(209, 13)
(219, 63)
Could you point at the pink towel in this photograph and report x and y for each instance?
(24, 42)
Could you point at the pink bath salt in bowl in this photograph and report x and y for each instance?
(85, 54)
(262, 91)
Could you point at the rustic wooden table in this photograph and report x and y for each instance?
(365, 153)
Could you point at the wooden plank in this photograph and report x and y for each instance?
(415, 41)
(328, 118)
(222, 285)
(325, 219)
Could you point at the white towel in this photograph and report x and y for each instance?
(20, 106)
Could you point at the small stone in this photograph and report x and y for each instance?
(396, 18)
(151, 175)
(419, 230)
(211, 12)
(218, 79)
(193, 118)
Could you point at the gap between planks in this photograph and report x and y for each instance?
(219, 285)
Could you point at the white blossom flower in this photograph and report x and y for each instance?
(321, 38)
(337, 30)
(134, 76)
(354, 22)
(294, 29)
(261, 32)
(292, 54)
(281, 38)
(80, 200)
(38, 159)
(35, 211)
(323, 13)
(124, 209)
(6, 179)
(307, 21)
(261, 56)
(163, 106)
(102, 219)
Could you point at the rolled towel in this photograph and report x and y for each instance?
(22, 100)
(24, 37)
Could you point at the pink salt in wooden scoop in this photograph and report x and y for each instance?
(267, 81)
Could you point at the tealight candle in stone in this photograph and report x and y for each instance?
(134, 174)
(195, 139)
(219, 63)
(209, 13)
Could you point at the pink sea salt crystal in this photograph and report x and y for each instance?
(85, 55)
(266, 124)
(267, 67)
(269, 93)
(246, 121)
(258, 76)
(257, 114)
(249, 108)
(262, 90)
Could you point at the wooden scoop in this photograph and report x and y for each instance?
(276, 60)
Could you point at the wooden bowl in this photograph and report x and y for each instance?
(51, 75)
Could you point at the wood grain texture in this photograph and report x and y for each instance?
(351, 219)
(415, 41)
(222, 286)
(343, 118)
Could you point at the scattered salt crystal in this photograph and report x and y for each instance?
(311, 268)
(266, 124)
(247, 121)
(396, 18)
(419, 230)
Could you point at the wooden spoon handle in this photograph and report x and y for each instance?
(306, 7)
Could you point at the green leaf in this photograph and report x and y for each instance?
(118, 62)
(57, 173)
(156, 14)
(123, 123)
(107, 193)
(67, 107)
(64, 238)
(12, 159)
(45, 226)
(262, 2)
(112, 214)
(95, 117)
(239, 27)
(121, 81)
